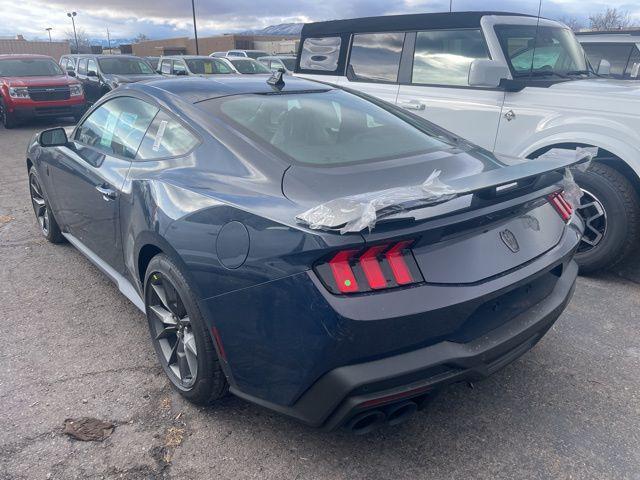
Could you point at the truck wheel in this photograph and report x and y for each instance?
(610, 208)
(7, 118)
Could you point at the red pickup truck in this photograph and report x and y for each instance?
(34, 86)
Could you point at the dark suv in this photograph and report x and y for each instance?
(100, 74)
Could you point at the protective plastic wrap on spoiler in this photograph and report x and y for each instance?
(358, 212)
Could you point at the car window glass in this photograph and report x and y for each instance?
(325, 128)
(63, 63)
(289, 63)
(443, 57)
(320, 54)
(117, 126)
(91, 66)
(166, 137)
(616, 54)
(633, 68)
(82, 66)
(166, 67)
(541, 51)
(376, 57)
(178, 67)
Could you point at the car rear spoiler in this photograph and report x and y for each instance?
(356, 212)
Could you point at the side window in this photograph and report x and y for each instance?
(443, 57)
(375, 57)
(320, 54)
(633, 68)
(116, 127)
(221, 67)
(179, 68)
(166, 137)
(92, 67)
(616, 54)
(82, 66)
(63, 63)
(166, 67)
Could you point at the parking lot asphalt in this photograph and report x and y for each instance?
(72, 346)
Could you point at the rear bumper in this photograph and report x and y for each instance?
(345, 391)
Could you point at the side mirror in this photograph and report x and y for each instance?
(54, 137)
(604, 67)
(71, 73)
(487, 73)
(91, 73)
(180, 72)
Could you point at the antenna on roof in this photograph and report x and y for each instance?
(535, 40)
(276, 80)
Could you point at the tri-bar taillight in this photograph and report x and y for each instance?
(377, 267)
(564, 208)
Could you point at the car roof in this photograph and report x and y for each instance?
(22, 55)
(630, 33)
(196, 89)
(242, 59)
(178, 57)
(387, 23)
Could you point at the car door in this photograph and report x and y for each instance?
(179, 68)
(436, 84)
(93, 89)
(89, 174)
(81, 75)
(374, 64)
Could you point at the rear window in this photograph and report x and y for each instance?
(40, 67)
(203, 66)
(325, 128)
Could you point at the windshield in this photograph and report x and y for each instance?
(249, 66)
(326, 128)
(125, 66)
(205, 66)
(556, 52)
(289, 63)
(29, 67)
(256, 54)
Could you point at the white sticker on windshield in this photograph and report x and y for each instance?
(159, 135)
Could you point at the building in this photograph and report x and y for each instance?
(218, 43)
(18, 44)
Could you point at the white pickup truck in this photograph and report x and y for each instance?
(513, 84)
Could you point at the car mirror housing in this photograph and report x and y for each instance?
(71, 73)
(604, 67)
(487, 73)
(91, 73)
(54, 137)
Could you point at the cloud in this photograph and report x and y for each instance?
(165, 18)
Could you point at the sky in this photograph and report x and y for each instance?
(172, 18)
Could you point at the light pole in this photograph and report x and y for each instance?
(195, 30)
(75, 35)
(48, 29)
(109, 40)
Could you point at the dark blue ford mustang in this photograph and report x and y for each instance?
(189, 194)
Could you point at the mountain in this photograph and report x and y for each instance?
(281, 29)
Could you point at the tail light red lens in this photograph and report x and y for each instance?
(564, 208)
(378, 267)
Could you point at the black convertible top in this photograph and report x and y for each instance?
(400, 22)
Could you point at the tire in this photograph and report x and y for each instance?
(8, 119)
(46, 221)
(209, 382)
(620, 232)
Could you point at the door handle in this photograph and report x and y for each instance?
(413, 105)
(108, 194)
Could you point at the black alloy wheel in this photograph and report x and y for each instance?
(182, 341)
(46, 221)
(172, 332)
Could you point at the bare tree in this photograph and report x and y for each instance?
(611, 19)
(141, 37)
(574, 23)
(84, 44)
